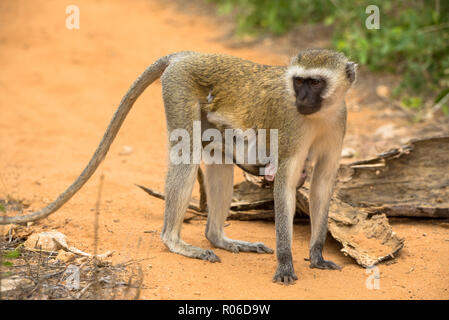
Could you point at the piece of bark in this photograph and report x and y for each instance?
(250, 215)
(410, 181)
(369, 239)
(249, 196)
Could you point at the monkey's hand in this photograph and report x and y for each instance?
(285, 274)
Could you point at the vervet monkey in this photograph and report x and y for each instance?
(304, 101)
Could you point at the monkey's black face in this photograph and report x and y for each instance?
(308, 94)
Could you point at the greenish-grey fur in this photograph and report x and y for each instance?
(316, 58)
(250, 95)
(246, 95)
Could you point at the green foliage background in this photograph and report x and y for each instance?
(413, 39)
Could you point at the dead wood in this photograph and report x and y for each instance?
(193, 205)
(251, 215)
(369, 239)
(410, 181)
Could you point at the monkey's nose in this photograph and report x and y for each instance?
(305, 102)
(302, 96)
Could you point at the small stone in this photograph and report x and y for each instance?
(405, 140)
(385, 131)
(383, 91)
(44, 241)
(13, 283)
(15, 231)
(65, 256)
(81, 260)
(72, 277)
(7, 230)
(348, 153)
(444, 225)
(127, 150)
(355, 108)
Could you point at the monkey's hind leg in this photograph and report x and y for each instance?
(219, 187)
(178, 189)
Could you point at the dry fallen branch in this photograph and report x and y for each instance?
(193, 206)
(83, 254)
(52, 241)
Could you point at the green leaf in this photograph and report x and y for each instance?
(7, 264)
(441, 95)
(329, 20)
(225, 8)
(13, 254)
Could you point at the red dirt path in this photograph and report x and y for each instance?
(59, 89)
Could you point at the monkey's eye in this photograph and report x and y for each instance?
(298, 81)
(315, 82)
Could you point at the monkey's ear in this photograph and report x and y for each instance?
(351, 70)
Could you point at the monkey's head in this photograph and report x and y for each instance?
(316, 78)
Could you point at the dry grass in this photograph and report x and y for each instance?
(47, 278)
(42, 276)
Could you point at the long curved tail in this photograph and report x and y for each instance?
(152, 73)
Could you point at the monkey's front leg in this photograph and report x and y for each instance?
(323, 178)
(284, 205)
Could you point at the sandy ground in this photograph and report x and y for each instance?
(59, 89)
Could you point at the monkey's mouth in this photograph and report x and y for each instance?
(307, 109)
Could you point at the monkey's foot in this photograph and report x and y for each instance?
(182, 248)
(209, 255)
(285, 275)
(325, 264)
(317, 261)
(237, 246)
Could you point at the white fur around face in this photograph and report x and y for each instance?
(298, 71)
